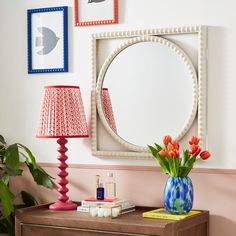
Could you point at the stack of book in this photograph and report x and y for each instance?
(125, 205)
(161, 213)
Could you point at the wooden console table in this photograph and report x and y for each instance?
(39, 221)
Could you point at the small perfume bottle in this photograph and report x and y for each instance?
(110, 186)
(100, 192)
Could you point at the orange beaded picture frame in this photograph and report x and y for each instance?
(106, 12)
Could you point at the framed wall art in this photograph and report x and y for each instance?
(47, 40)
(95, 12)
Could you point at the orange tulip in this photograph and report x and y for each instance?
(198, 151)
(175, 144)
(171, 154)
(170, 146)
(162, 153)
(194, 140)
(174, 153)
(194, 150)
(205, 155)
(167, 139)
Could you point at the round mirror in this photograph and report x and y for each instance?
(147, 88)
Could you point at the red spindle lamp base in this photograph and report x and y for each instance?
(63, 202)
(60, 206)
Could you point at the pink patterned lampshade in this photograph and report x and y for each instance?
(62, 113)
(107, 108)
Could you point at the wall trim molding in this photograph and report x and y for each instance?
(138, 168)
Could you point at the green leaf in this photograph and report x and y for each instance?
(11, 172)
(2, 147)
(153, 150)
(163, 163)
(188, 165)
(169, 160)
(166, 164)
(2, 140)
(12, 157)
(185, 157)
(188, 169)
(2, 154)
(190, 161)
(5, 178)
(176, 166)
(6, 198)
(29, 153)
(7, 225)
(28, 199)
(184, 171)
(41, 169)
(158, 147)
(40, 176)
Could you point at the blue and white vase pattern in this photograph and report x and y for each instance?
(178, 195)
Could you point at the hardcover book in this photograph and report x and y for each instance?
(92, 199)
(161, 213)
(118, 202)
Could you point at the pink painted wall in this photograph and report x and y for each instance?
(215, 192)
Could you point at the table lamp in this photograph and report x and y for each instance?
(62, 116)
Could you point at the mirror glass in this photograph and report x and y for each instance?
(148, 92)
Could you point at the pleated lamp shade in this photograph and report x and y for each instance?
(107, 109)
(62, 113)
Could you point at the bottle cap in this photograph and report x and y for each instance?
(97, 180)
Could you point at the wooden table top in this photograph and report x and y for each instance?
(132, 222)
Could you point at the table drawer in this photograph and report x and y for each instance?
(41, 230)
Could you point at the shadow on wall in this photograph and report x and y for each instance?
(225, 226)
(216, 93)
(216, 193)
(26, 183)
(79, 187)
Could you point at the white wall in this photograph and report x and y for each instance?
(20, 93)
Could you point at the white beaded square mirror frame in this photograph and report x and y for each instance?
(147, 84)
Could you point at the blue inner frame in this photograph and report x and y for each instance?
(65, 39)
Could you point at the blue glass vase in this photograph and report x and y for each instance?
(178, 195)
